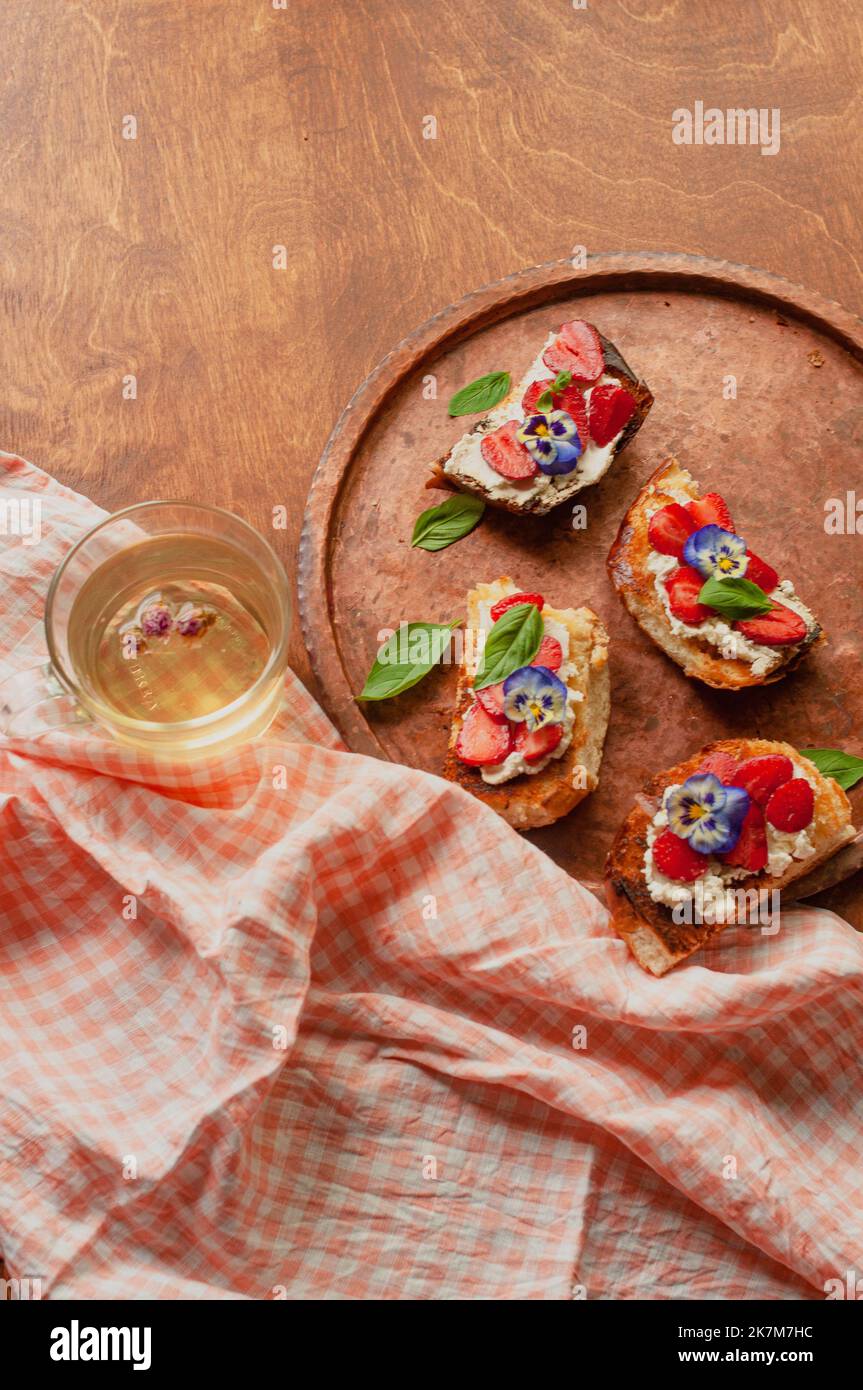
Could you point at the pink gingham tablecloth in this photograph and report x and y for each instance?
(305, 1024)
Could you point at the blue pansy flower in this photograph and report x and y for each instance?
(717, 553)
(552, 441)
(535, 696)
(707, 813)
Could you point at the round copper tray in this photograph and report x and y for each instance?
(790, 438)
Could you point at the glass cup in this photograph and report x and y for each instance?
(146, 547)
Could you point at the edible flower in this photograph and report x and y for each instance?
(192, 620)
(155, 619)
(552, 441)
(716, 553)
(707, 813)
(535, 696)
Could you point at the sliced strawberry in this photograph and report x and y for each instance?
(683, 586)
(558, 358)
(750, 852)
(676, 858)
(499, 608)
(723, 766)
(550, 654)
(491, 699)
(781, 627)
(533, 393)
(611, 407)
(482, 741)
(572, 401)
(791, 805)
(538, 744)
(505, 454)
(761, 776)
(760, 573)
(669, 529)
(582, 340)
(711, 510)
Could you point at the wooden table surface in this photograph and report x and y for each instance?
(261, 124)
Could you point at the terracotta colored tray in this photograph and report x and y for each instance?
(791, 439)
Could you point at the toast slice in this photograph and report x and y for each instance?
(540, 797)
(464, 467)
(697, 649)
(659, 941)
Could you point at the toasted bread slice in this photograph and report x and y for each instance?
(638, 587)
(656, 940)
(463, 467)
(539, 798)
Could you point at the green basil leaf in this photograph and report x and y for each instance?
(405, 658)
(734, 598)
(513, 642)
(844, 768)
(561, 381)
(440, 526)
(481, 394)
(544, 402)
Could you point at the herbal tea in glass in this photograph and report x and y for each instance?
(168, 623)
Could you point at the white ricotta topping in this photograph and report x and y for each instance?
(467, 461)
(711, 892)
(731, 644)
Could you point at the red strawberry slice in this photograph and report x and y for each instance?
(750, 852)
(711, 510)
(499, 608)
(549, 655)
(791, 805)
(558, 358)
(611, 407)
(582, 340)
(723, 766)
(538, 744)
(761, 776)
(683, 586)
(676, 858)
(572, 401)
(669, 528)
(482, 741)
(533, 393)
(491, 699)
(760, 573)
(781, 627)
(505, 454)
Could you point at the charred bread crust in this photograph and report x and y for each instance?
(538, 506)
(627, 569)
(532, 800)
(655, 939)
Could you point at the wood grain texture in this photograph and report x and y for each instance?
(303, 127)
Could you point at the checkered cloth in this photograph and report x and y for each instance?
(305, 1024)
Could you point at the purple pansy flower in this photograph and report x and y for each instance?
(707, 813)
(552, 441)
